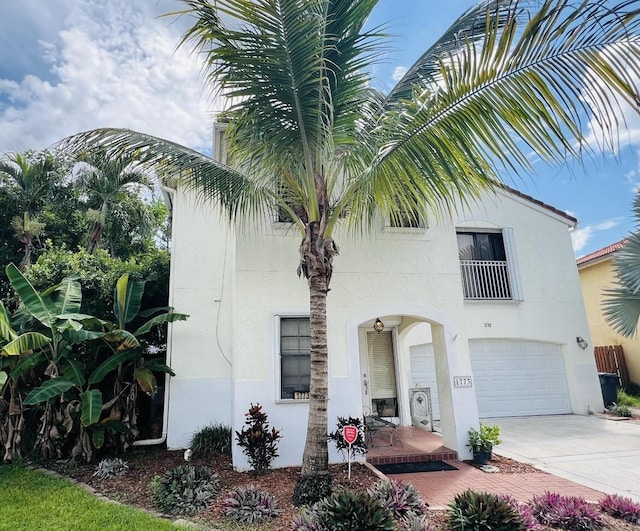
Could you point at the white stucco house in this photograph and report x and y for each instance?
(483, 309)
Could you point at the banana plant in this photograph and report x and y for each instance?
(81, 352)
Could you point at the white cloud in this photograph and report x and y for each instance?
(580, 237)
(113, 65)
(398, 72)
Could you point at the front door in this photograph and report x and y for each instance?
(380, 384)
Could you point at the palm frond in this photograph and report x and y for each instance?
(621, 309)
(490, 102)
(234, 192)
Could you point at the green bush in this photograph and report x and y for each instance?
(480, 511)
(345, 510)
(249, 505)
(185, 489)
(214, 439)
(627, 398)
(111, 468)
(620, 410)
(359, 446)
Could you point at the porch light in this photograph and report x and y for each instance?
(378, 326)
(582, 343)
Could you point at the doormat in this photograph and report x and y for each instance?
(422, 466)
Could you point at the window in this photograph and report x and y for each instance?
(295, 357)
(483, 266)
(408, 219)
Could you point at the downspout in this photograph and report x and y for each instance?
(169, 197)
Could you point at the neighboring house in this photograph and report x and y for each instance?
(483, 309)
(596, 275)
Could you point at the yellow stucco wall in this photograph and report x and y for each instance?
(594, 279)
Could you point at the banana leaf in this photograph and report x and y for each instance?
(110, 364)
(73, 371)
(25, 343)
(39, 307)
(48, 390)
(146, 380)
(27, 363)
(160, 319)
(91, 407)
(126, 340)
(158, 366)
(6, 329)
(128, 297)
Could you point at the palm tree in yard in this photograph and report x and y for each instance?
(109, 181)
(310, 134)
(622, 306)
(28, 180)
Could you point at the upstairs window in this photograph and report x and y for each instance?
(295, 358)
(483, 266)
(408, 219)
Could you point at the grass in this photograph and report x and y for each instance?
(626, 399)
(31, 500)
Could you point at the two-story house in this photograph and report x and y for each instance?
(483, 308)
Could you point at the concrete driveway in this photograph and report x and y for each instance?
(596, 452)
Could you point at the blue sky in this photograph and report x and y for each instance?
(73, 65)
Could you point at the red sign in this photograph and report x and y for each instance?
(350, 434)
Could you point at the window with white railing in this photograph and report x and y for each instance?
(485, 270)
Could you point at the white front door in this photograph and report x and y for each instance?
(382, 390)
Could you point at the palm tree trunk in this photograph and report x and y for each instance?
(315, 459)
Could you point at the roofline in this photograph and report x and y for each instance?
(600, 254)
(573, 222)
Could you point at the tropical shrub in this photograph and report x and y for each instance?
(485, 438)
(620, 507)
(620, 410)
(359, 446)
(479, 511)
(71, 373)
(186, 489)
(258, 443)
(111, 468)
(400, 498)
(530, 522)
(345, 510)
(214, 439)
(250, 505)
(415, 522)
(565, 512)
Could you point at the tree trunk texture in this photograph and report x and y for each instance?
(316, 256)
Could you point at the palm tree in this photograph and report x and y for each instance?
(109, 182)
(308, 133)
(28, 180)
(622, 307)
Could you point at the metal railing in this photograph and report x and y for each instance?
(485, 280)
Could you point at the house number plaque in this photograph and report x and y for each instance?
(462, 381)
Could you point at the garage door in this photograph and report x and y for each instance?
(518, 378)
(512, 378)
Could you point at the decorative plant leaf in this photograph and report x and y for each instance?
(109, 365)
(27, 363)
(40, 307)
(158, 366)
(72, 371)
(97, 438)
(25, 343)
(125, 339)
(160, 319)
(68, 296)
(81, 336)
(146, 380)
(91, 407)
(128, 297)
(6, 330)
(48, 390)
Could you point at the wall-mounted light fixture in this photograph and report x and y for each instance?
(378, 326)
(582, 343)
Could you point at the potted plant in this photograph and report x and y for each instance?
(482, 442)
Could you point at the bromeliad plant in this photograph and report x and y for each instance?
(73, 378)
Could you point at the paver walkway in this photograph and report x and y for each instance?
(439, 488)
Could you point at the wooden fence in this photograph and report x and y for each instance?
(611, 359)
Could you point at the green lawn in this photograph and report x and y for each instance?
(31, 500)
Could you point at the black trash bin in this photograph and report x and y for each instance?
(609, 386)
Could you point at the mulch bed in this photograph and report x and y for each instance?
(145, 464)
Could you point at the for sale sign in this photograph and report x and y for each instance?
(350, 434)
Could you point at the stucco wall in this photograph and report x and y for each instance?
(594, 279)
(225, 355)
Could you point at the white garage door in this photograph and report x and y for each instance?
(518, 378)
(512, 378)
